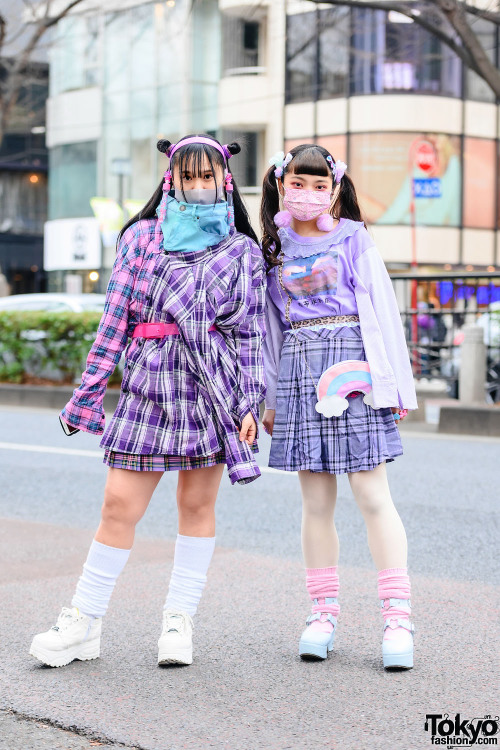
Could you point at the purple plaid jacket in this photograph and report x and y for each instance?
(184, 394)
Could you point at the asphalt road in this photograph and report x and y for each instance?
(247, 688)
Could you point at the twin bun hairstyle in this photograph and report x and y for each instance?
(163, 145)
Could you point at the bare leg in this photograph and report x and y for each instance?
(126, 498)
(196, 495)
(320, 542)
(385, 530)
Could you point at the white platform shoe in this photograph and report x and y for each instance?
(74, 636)
(175, 645)
(397, 646)
(313, 643)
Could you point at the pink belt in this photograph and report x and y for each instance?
(158, 330)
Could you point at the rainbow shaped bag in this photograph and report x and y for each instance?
(338, 381)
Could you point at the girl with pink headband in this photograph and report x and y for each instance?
(338, 376)
(186, 304)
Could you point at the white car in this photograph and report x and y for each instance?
(53, 302)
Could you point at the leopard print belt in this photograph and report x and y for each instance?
(337, 319)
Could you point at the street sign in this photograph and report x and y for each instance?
(71, 244)
(427, 188)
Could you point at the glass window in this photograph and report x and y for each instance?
(23, 202)
(379, 167)
(245, 166)
(479, 183)
(206, 66)
(142, 44)
(333, 52)
(301, 57)
(73, 180)
(116, 51)
(240, 43)
(74, 54)
(390, 54)
(367, 51)
(487, 33)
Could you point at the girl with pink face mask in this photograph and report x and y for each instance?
(338, 380)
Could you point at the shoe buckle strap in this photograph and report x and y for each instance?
(328, 618)
(399, 622)
(399, 603)
(312, 618)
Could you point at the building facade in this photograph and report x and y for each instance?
(366, 84)
(371, 87)
(23, 185)
(121, 76)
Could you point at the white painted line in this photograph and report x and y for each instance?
(94, 454)
(50, 449)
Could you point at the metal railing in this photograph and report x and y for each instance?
(446, 302)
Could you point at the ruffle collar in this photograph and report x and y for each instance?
(295, 246)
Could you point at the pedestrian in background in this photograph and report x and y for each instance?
(338, 377)
(187, 294)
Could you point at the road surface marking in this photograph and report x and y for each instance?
(92, 454)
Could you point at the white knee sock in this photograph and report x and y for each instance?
(191, 561)
(100, 572)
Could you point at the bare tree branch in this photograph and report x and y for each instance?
(9, 92)
(456, 16)
(452, 14)
(3, 31)
(488, 15)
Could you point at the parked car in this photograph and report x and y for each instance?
(54, 302)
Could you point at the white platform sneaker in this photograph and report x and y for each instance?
(74, 636)
(397, 644)
(175, 645)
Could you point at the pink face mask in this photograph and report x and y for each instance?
(305, 205)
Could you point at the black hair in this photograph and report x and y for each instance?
(306, 159)
(193, 154)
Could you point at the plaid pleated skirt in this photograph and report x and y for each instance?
(137, 462)
(358, 440)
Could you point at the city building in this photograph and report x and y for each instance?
(122, 75)
(384, 95)
(23, 168)
(379, 92)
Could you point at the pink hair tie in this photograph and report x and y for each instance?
(338, 168)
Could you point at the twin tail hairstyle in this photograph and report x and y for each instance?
(192, 157)
(306, 159)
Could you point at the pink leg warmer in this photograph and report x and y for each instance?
(323, 583)
(393, 583)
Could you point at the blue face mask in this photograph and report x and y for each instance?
(192, 227)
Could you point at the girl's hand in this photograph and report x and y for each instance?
(402, 413)
(268, 420)
(248, 429)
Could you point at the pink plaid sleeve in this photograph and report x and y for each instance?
(85, 409)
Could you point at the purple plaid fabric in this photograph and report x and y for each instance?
(358, 440)
(183, 395)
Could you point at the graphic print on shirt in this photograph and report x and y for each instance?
(306, 277)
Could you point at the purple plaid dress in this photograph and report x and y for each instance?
(183, 396)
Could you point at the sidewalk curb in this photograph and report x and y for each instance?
(470, 419)
(455, 418)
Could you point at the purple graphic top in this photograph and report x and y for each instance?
(340, 273)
